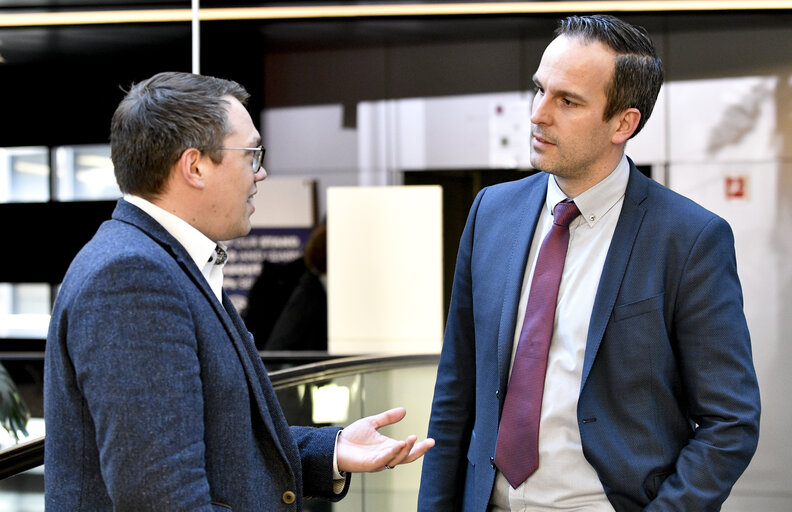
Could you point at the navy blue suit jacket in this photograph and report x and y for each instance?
(155, 396)
(668, 409)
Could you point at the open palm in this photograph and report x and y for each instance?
(361, 448)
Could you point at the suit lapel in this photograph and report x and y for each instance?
(257, 375)
(232, 323)
(619, 253)
(526, 219)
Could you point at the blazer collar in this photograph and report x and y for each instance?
(131, 214)
(198, 246)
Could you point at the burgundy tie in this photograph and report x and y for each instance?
(517, 450)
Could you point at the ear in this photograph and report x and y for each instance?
(627, 122)
(189, 168)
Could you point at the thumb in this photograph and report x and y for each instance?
(388, 417)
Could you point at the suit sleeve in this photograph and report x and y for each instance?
(719, 382)
(317, 446)
(135, 356)
(453, 406)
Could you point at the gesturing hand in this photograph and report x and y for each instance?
(362, 449)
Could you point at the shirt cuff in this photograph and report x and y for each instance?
(339, 477)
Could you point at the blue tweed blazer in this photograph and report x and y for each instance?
(155, 397)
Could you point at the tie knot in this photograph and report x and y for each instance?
(565, 213)
(221, 255)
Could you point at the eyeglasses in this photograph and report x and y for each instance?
(258, 156)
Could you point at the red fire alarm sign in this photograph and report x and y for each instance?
(736, 187)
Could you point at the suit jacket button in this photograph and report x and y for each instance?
(492, 462)
(288, 497)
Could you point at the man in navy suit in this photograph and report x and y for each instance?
(155, 396)
(650, 398)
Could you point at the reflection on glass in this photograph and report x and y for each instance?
(85, 173)
(24, 174)
(24, 310)
(330, 404)
(342, 400)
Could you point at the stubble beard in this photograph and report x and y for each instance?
(559, 167)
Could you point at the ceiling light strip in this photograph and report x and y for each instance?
(41, 19)
(489, 8)
(381, 10)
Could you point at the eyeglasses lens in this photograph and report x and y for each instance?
(258, 159)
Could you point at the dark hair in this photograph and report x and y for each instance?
(638, 73)
(161, 117)
(315, 256)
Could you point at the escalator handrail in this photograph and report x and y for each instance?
(342, 367)
(21, 457)
(30, 454)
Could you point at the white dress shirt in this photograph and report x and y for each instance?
(564, 479)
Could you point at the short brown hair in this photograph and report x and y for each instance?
(160, 118)
(638, 74)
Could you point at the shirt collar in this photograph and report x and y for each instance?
(198, 246)
(599, 199)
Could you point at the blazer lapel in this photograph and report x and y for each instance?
(232, 323)
(259, 381)
(526, 219)
(619, 253)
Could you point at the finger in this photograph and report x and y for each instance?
(369, 459)
(391, 455)
(388, 417)
(419, 450)
(400, 455)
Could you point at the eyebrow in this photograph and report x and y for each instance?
(566, 94)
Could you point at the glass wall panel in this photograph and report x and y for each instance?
(344, 399)
(23, 492)
(85, 173)
(24, 310)
(24, 174)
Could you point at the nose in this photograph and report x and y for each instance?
(540, 110)
(260, 175)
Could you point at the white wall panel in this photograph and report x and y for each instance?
(384, 269)
(650, 146)
(308, 140)
(723, 120)
(283, 202)
(452, 132)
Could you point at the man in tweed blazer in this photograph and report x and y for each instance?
(155, 397)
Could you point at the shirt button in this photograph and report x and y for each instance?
(288, 497)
